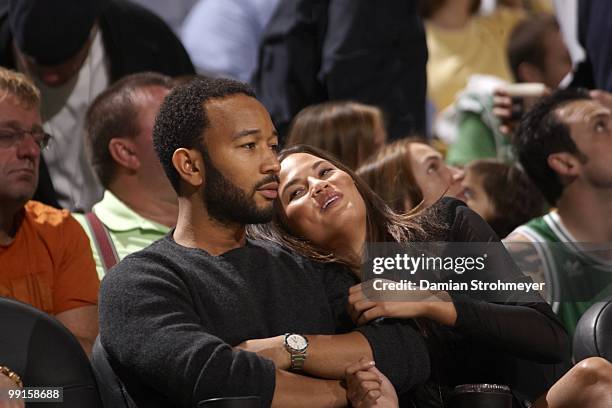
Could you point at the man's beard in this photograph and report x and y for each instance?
(227, 203)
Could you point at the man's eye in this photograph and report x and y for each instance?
(274, 148)
(249, 146)
(601, 126)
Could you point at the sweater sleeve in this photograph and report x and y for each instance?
(526, 327)
(398, 349)
(149, 327)
(399, 352)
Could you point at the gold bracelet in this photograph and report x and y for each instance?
(11, 375)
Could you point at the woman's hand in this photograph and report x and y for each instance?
(437, 306)
(369, 388)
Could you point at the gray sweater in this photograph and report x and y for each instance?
(169, 316)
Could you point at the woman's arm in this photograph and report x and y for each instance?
(523, 325)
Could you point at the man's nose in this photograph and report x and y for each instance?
(27, 147)
(271, 163)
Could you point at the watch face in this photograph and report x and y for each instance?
(297, 342)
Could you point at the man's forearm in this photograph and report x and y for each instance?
(293, 390)
(330, 355)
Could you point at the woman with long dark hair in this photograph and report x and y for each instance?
(327, 213)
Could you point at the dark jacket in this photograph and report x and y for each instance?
(135, 40)
(595, 36)
(318, 50)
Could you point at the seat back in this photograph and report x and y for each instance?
(112, 390)
(45, 354)
(593, 337)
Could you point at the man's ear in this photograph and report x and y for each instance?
(123, 151)
(188, 164)
(528, 72)
(564, 164)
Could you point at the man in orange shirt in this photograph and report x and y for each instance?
(45, 257)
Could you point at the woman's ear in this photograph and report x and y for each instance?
(124, 152)
(188, 164)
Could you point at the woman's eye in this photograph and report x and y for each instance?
(324, 172)
(432, 168)
(295, 193)
(274, 148)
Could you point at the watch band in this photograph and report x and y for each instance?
(297, 361)
(297, 355)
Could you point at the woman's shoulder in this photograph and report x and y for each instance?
(462, 223)
(445, 211)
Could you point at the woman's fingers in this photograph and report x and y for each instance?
(363, 384)
(370, 315)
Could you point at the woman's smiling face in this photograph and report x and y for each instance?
(321, 202)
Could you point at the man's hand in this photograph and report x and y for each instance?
(369, 388)
(437, 306)
(603, 97)
(508, 112)
(272, 348)
(83, 324)
(5, 385)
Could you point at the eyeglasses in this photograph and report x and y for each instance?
(10, 137)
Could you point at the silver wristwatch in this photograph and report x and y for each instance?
(296, 345)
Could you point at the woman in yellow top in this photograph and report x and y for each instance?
(462, 43)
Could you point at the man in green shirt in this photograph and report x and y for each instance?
(565, 145)
(139, 204)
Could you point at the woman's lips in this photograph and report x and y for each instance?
(330, 200)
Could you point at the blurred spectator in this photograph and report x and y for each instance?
(172, 12)
(493, 189)
(45, 259)
(409, 173)
(139, 204)
(462, 43)
(536, 53)
(222, 36)
(595, 36)
(350, 131)
(73, 50)
(564, 145)
(567, 16)
(318, 50)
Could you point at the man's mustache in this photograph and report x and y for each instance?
(268, 179)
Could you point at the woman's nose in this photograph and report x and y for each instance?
(457, 174)
(317, 185)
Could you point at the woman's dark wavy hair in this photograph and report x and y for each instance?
(382, 223)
